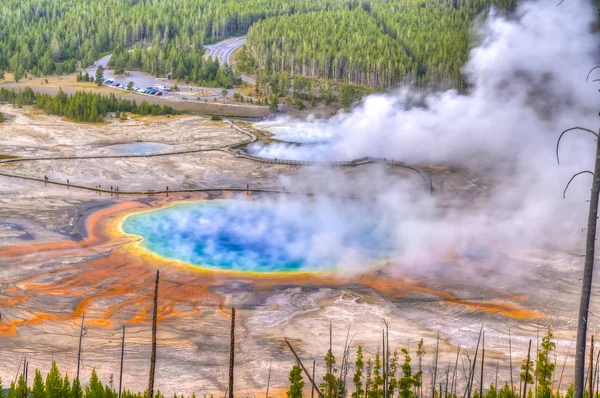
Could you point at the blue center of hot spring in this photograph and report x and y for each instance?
(242, 236)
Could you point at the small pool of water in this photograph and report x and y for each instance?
(253, 237)
(139, 148)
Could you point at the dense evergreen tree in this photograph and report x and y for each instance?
(358, 375)
(296, 382)
(81, 107)
(99, 75)
(38, 390)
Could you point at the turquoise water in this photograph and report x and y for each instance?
(139, 148)
(242, 236)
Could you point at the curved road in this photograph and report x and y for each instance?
(228, 149)
(223, 50)
(220, 51)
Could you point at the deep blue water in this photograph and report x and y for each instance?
(243, 236)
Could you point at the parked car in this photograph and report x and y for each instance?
(159, 93)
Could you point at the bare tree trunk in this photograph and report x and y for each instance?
(231, 352)
(79, 353)
(453, 388)
(312, 387)
(435, 365)
(383, 361)
(330, 367)
(563, 367)
(472, 370)
(25, 374)
(586, 286)
(268, 381)
(482, 364)
(591, 376)
(19, 369)
(447, 377)
(537, 350)
(597, 372)
(496, 382)
(122, 355)
(527, 370)
(153, 353)
(512, 385)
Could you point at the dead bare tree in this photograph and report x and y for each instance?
(231, 352)
(563, 367)
(82, 332)
(512, 385)
(19, 369)
(527, 370)
(482, 364)
(268, 380)
(447, 377)
(122, 355)
(591, 376)
(312, 387)
(153, 353)
(453, 388)
(472, 370)
(311, 379)
(588, 268)
(496, 380)
(435, 365)
(25, 374)
(597, 369)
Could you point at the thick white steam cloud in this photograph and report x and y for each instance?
(527, 79)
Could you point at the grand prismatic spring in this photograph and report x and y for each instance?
(442, 214)
(251, 237)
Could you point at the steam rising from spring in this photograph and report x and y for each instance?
(527, 84)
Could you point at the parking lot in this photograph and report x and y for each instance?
(144, 81)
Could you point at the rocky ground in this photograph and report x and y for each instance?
(60, 257)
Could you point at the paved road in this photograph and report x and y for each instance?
(222, 52)
(143, 80)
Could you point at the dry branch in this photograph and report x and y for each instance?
(566, 131)
(153, 353)
(304, 369)
(591, 70)
(572, 178)
(231, 352)
(122, 354)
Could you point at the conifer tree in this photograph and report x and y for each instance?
(376, 390)
(12, 390)
(358, 375)
(369, 377)
(95, 388)
(21, 388)
(2, 395)
(99, 75)
(66, 387)
(296, 382)
(76, 390)
(408, 380)
(393, 384)
(38, 390)
(544, 369)
(329, 380)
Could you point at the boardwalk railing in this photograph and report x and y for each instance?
(344, 163)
